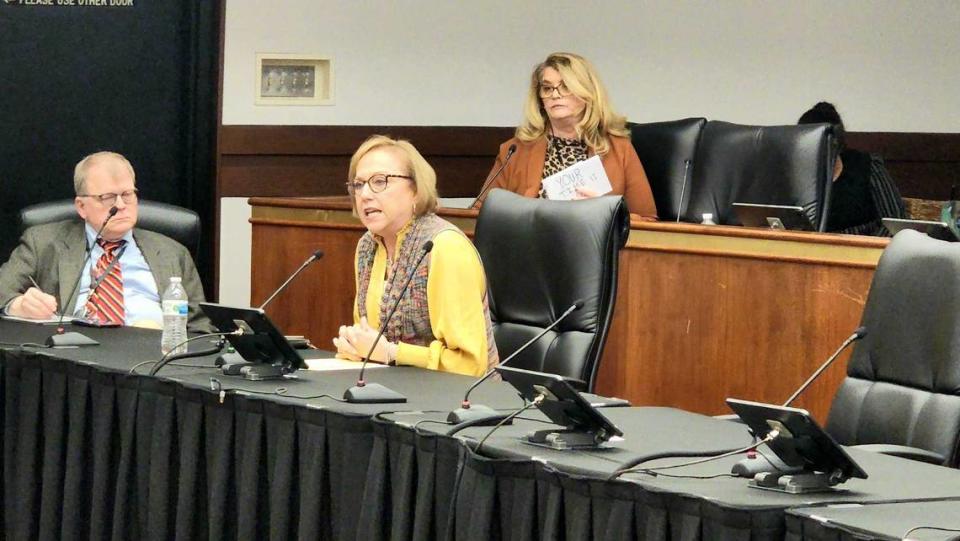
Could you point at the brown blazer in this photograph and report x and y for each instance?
(621, 163)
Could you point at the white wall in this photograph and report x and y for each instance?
(889, 65)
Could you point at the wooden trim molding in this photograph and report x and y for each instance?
(304, 161)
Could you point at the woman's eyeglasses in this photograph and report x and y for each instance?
(377, 183)
(546, 91)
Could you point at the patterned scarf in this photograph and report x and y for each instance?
(411, 322)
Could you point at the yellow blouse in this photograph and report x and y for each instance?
(455, 289)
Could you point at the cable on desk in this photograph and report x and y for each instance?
(167, 357)
(23, 345)
(217, 386)
(935, 528)
(416, 425)
(535, 402)
(633, 468)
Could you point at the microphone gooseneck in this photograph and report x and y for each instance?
(373, 393)
(857, 335)
(313, 257)
(61, 338)
(88, 248)
(683, 187)
(480, 414)
(489, 182)
(518, 351)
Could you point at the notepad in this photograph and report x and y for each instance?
(55, 320)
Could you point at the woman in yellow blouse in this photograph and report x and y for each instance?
(443, 320)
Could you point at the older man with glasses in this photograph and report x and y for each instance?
(121, 281)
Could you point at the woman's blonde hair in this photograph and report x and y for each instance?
(424, 177)
(599, 121)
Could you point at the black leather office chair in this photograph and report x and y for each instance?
(775, 165)
(541, 257)
(901, 395)
(178, 223)
(667, 151)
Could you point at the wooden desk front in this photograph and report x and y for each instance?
(703, 312)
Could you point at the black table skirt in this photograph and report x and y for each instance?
(433, 487)
(97, 454)
(91, 452)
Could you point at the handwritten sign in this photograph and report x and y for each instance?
(588, 174)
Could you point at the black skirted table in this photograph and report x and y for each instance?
(92, 451)
(514, 490)
(922, 521)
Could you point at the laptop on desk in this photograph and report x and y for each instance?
(773, 216)
(936, 230)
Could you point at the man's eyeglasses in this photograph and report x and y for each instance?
(377, 183)
(129, 197)
(546, 91)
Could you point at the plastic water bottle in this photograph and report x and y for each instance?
(175, 309)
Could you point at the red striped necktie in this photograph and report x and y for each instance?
(106, 301)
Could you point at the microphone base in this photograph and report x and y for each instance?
(476, 415)
(373, 393)
(70, 339)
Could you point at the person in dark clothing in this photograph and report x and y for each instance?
(863, 193)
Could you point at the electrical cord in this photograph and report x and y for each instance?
(23, 345)
(217, 386)
(167, 357)
(535, 402)
(653, 471)
(935, 528)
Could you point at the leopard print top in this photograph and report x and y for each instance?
(561, 153)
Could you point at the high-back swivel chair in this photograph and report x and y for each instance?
(667, 150)
(901, 395)
(775, 165)
(540, 258)
(178, 223)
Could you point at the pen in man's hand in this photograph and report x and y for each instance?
(34, 282)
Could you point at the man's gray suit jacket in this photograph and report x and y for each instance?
(53, 254)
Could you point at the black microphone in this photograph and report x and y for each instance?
(489, 182)
(374, 393)
(62, 338)
(313, 257)
(479, 414)
(857, 335)
(683, 187)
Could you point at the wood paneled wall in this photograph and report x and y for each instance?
(298, 161)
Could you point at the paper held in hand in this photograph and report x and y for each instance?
(587, 174)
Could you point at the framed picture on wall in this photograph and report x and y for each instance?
(293, 79)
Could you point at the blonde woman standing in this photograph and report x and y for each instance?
(567, 119)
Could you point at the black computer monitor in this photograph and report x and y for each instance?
(800, 444)
(583, 426)
(260, 343)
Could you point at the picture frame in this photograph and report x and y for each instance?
(293, 79)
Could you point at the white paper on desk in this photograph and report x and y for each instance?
(331, 364)
(55, 320)
(587, 174)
